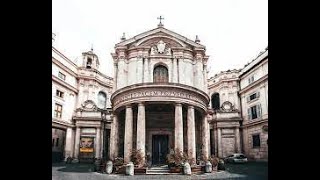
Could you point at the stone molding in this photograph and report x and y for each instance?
(168, 92)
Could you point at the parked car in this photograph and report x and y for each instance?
(236, 158)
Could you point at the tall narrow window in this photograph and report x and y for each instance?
(215, 100)
(102, 97)
(58, 111)
(254, 112)
(160, 74)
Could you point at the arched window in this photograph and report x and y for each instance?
(215, 100)
(102, 97)
(160, 74)
(89, 62)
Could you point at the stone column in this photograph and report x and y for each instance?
(205, 137)
(238, 140)
(191, 135)
(113, 152)
(97, 151)
(219, 143)
(178, 128)
(69, 143)
(77, 143)
(128, 134)
(141, 131)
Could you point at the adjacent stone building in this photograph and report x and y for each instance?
(160, 99)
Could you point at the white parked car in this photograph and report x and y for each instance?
(236, 158)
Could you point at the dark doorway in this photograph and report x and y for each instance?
(159, 149)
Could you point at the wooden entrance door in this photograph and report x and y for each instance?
(159, 149)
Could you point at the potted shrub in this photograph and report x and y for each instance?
(175, 160)
(118, 165)
(137, 159)
(214, 162)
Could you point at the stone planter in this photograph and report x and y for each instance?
(109, 167)
(186, 169)
(208, 167)
(130, 169)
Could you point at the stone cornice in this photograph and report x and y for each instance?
(62, 66)
(64, 57)
(257, 66)
(95, 79)
(168, 92)
(255, 83)
(221, 82)
(96, 71)
(61, 124)
(253, 122)
(64, 84)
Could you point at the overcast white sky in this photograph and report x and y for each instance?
(233, 31)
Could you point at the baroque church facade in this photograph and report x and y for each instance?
(160, 99)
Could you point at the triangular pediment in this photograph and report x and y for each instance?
(145, 39)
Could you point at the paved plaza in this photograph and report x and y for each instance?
(251, 170)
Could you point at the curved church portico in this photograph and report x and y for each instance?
(159, 101)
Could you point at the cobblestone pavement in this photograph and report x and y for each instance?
(251, 170)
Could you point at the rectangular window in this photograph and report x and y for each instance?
(254, 112)
(52, 142)
(62, 76)
(256, 141)
(59, 93)
(57, 143)
(253, 96)
(58, 111)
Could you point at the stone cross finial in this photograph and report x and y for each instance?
(160, 24)
(197, 39)
(123, 37)
(92, 47)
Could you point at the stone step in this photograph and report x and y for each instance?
(157, 168)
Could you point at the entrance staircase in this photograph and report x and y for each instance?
(158, 170)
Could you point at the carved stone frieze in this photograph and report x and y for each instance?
(156, 93)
